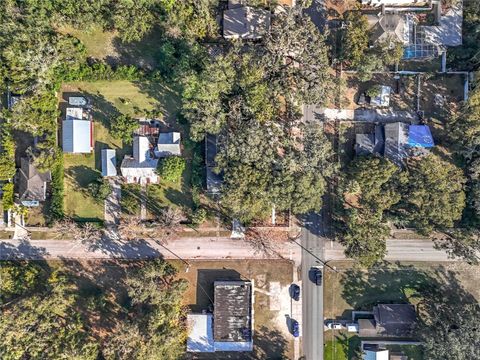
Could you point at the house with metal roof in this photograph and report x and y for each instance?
(168, 144)
(141, 167)
(77, 131)
(109, 163)
(244, 22)
(31, 183)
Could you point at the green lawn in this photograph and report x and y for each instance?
(98, 43)
(107, 46)
(82, 169)
(110, 98)
(341, 347)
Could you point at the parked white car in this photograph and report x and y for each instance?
(335, 326)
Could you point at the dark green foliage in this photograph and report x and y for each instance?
(355, 38)
(7, 154)
(98, 71)
(198, 216)
(371, 189)
(56, 210)
(7, 195)
(130, 199)
(55, 328)
(122, 127)
(17, 278)
(36, 114)
(434, 195)
(50, 313)
(100, 189)
(467, 56)
(171, 168)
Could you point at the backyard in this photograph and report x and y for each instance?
(402, 94)
(272, 302)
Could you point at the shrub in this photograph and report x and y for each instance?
(56, 203)
(122, 128)
(100, 189)
(198, 216)
(7, 196)
(130, 200)
(7, 157)
(171, 168)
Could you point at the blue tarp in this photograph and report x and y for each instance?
(420, 136)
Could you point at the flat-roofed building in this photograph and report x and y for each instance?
(232, 316)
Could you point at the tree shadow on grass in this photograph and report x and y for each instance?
(82, 175)
(387, 284)
(103, 110)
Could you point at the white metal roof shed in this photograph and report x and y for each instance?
(109, 162)
(77, 136)
(168, 144)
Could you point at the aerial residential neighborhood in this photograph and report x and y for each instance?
(240, 179)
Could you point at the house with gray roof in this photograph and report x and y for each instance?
(230, 327)
(389, 320)
(31, 183)
(244, 22)
(388, 27)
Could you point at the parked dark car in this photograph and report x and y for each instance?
(317, 276)
(295, 292)
(295, 328)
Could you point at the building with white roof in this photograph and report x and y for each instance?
(168, 144)
(77, 132)
(376, 355)
(141, 167)
(200, 337)
(109, 162)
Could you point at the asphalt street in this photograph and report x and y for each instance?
(312, 242)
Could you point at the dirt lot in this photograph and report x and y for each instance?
(403, 90)
(350, 290)
(272, 303)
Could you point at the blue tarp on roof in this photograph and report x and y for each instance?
(420, 136)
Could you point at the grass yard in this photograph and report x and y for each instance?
(341, 346)
(353, 289)
(81, 170)
(271, 340)
(107, 46)
(110, 98)
(98, 43)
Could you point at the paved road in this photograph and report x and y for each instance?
(312, 242)
(205, 248)
(397, 249)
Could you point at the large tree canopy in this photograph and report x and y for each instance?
(370, 189)
(434, 194)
